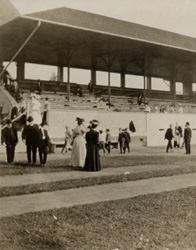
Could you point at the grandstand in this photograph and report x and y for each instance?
(97, 43)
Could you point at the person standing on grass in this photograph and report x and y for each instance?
(9, 139)
(67, 144)
(101, 141)
(43, 143)
(78, 154)
(169, 136)
(30, 137)
(187, 138)
(92, 162)
(121, 140)
(46, 110)
(127, 140)
(108, 141)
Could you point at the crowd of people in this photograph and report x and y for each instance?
(84, 143)
(176, 135)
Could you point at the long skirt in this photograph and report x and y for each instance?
(92, 162)
(78, 154)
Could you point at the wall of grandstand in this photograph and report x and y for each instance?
(157, 125)
(107, 119)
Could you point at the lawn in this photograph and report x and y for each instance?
(164, 221)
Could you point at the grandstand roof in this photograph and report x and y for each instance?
(108, 25)
(95, 41)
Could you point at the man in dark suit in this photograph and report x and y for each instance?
(169, 136)
(108, 139)
(9, 139)
(43, 143)
(30, 137)
(127, 140)
(187, 138)
(121, 140)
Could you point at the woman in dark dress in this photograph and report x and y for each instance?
(92, 162)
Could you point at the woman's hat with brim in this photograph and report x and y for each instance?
(30, 119)
(78, 119)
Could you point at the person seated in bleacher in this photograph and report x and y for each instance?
(79, 91)
(91, 87)
(147, 108)
(140, 99)
(180, 108)
(39, 87)
(6, 79)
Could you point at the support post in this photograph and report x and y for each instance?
(122, 80)
(68, 82)
(20, 74)
(60, 74)
(109, 87)
(94, 77)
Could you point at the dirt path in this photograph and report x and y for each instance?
(16, 205)
(28, 179)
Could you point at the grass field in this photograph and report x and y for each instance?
(157, 221)
(164, 221)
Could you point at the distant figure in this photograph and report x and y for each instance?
(46, 110)
(101, 141)
(78, 154)
(187, 138)
(127, 140)
(147, 108)
(108, 141)
(9, 139)
(121, 140)
(39, 87)
(30, 138)
(169, 136)
(180, 108)
(43, 143)
(67, 144)
(92, 162)
(177, 136)
(6, 79)
(79, 91)
(140, 99)
(91, 87)
(36, 109)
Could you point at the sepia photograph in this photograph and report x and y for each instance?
(98, 125)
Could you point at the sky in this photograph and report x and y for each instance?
(172, 15)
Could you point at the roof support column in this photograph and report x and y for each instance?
(173, 84)
(187, 82)
(68, 82)
(20, 72)
(94, 76)
(122, 80)
(109, 87)
(60, 73)
(1, 69)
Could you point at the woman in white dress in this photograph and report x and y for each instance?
(78, 155)
(35, 110)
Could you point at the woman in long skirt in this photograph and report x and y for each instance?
(78, 155)
(92, 162)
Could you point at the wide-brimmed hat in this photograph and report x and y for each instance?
(78, 119)
(30, 119)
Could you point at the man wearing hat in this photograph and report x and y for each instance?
(9, 139)
(30, 137)
(43, 143)
(187, 138)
